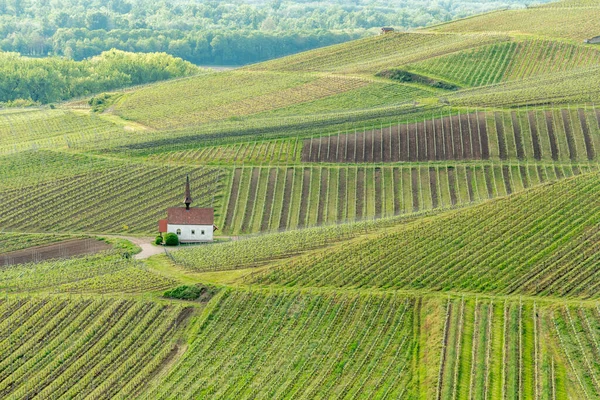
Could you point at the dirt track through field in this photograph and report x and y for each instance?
(264, 225)
(448, 140)
(541, 174)
(551, 135)
(403, 142)
(360, 192)
(360, 147)
(378, 193)
(518, 137)
(535, 137)
(323, 195)
(341, 205)
(501, 139)
(421, 142)
(566, 118)
(251, 199)
(388, 145)
(559, 172)
(305, 197)
(452, 185)
(483, 136)
(306, 150)
(457, 138)
(63, 249)
(470, 184)
(369, 145)
(524, 176)
(414, 173)
(433, 186)
(235, 189)
(466, 137)
(488, 181)
(506, 176)
(397, 192)
(589, 147)
(475, 137)
(431, 142)
(287, 194)
(335, 150)
(438, 129)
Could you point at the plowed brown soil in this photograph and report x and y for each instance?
(551, 135)
(589, 146)
(501, 140)
(63, 249)
(535, 136)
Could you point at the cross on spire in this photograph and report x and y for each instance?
(188, 194)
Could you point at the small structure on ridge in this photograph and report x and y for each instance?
(386, 29)
(190, 224)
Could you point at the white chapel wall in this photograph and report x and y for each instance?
(191, 233)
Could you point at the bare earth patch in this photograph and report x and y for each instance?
(64, 249)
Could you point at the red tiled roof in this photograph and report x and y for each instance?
(193, 216)
(162, 225)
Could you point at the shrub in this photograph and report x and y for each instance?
(405, 76)
(102, 101)
(158, 240)
(184, 292)
(171, 239)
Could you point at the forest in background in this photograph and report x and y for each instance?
(26, 81)
(213, 32)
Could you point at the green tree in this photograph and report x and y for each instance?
(97, 20)
(171, 239)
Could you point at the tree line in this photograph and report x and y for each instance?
(231, 32)
(27, 81)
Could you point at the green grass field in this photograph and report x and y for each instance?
(377, 238)
(564, 19)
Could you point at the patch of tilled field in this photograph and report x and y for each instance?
(64, 249)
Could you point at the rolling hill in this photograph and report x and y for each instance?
(412, 215)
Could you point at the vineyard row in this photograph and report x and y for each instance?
(540, 242)
(127, 199)
(551, 135)
(271, 199)
(59, 348)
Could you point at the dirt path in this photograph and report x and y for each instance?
(149, 249)
(146, 244)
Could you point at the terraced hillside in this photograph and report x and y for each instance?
(412, 215)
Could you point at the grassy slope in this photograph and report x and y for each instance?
(574, 21)
(368, 56)
(227, 95)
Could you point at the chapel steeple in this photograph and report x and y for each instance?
(188, 194)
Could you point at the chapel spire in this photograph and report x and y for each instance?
(188, 194)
